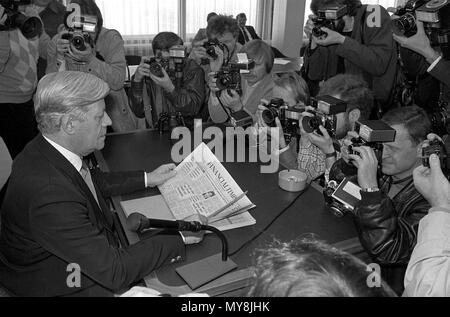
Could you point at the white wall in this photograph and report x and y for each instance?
(288, 21)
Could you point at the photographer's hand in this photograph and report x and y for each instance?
(231, 100)
(419, 43)
(432, 184)
(164, 82)
(216, 64)
(324, 143)
(143, 70)
(3, 15)
(62, 46)
(198, 52)
(367, 165)
(81, 56)
(332, 38)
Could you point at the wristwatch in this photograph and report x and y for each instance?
(331, 155)
(371, 190)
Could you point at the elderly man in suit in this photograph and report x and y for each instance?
(247, 33)
(55, 219)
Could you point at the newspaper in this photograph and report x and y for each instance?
(203, 186)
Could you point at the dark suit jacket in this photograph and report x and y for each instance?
(50, 219)
(252, 32)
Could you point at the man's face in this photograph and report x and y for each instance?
(256, 74)
(401, 156)
(228, 39)
(242, 21)
(343, 123)
(91, 132)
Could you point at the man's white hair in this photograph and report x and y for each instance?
(63, 93)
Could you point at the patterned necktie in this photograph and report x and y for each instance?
(86, 174)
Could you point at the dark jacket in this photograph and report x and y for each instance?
(50, 219)
(387, 228)
(187, 99)
(370, 52)
(251, 30)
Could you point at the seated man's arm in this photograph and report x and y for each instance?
(429, 268)
(121, 183)
(61, 224)
(379, 47)
(189, 98)
(388, 236)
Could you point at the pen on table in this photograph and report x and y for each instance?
(231, 203)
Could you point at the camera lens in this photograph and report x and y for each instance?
(31, 27)
(405, 25)
(311, 124)
(78, 43)
(269, 117)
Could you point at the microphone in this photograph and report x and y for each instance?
(138, 223)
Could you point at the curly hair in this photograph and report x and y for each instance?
(222, 24)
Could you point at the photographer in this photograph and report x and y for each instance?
(102, 54)
(256, 84)
(361, 45)
(438, 67)
(165, 96)
(389, 212)
(317, 154)
(19, 53)
(429, 268)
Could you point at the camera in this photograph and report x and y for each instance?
(31, 27)
(331, 18)
(438, 148)
(229, 76)
(440, 121)
(79, 33)
(210, 48)
(435, 15)
(169, 121)
(156, 67)
(406, 23)
(341, 198)
(372, 134)
(289, 117)
(327, 108)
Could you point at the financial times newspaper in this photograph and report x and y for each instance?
(203, 186)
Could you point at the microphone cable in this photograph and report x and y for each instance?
(269, 225)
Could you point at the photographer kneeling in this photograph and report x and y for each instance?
(182, 92)
(257, 83)
(389, 212)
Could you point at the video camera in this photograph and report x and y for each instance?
(79, 34)
(289, 117)
(327, 108)
(372, 134)
(435, 14)
(31, 27)
(330, 17)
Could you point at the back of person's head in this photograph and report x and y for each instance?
(295, 85)
(414, 119)
(221, 24)
(310, 268)
(89, 7)
(65, 92)
(210, 16)
(260, 52)
(352, 5)
(165, 40)
(353, 90)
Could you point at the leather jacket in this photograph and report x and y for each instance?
(387, 228)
